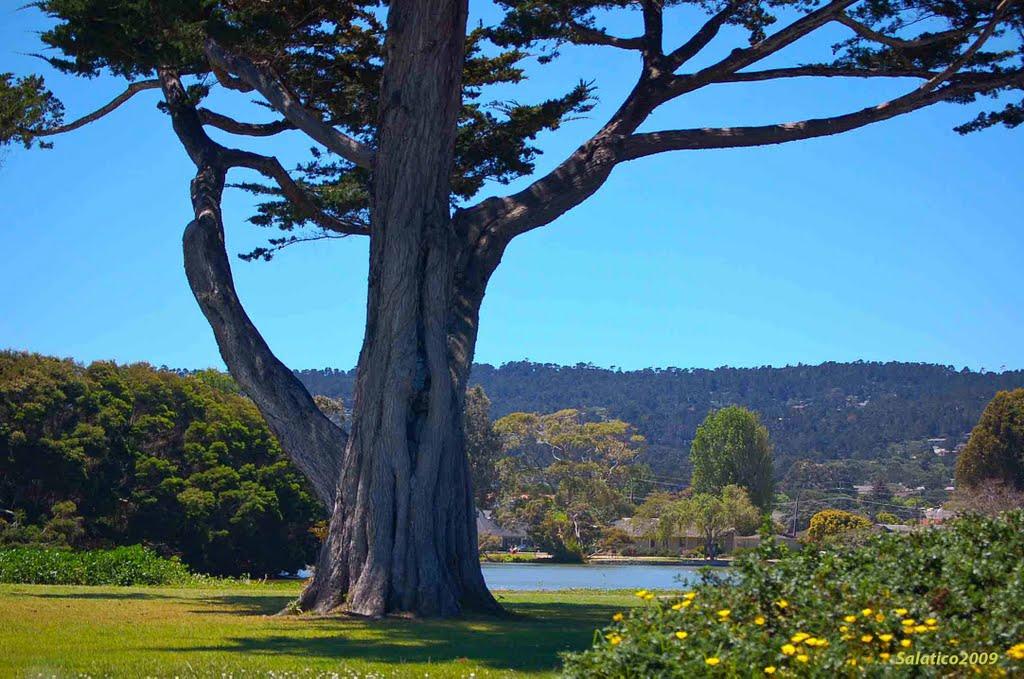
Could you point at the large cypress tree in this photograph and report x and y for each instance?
(392, 98)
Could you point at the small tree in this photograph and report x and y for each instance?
(483, 446)
(829, 524)
(995, 450)
(732, 447)
(711, 515)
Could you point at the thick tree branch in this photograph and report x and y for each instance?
(281, 98)
(233, 126)
(312, 441)
(585, 35)
(640, 145)
(132, 89)
(825, 71)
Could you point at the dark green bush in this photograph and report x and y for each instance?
(134, 565)
(838, 611)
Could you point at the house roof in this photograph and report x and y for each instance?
(485, 525)
(638, 527)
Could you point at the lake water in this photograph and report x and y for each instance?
(543, 576)
(548, 576)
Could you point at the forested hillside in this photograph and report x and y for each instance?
(824, 412)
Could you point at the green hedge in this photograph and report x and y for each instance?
(856, 611)
(134, 565)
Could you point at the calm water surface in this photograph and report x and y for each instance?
(543, 576)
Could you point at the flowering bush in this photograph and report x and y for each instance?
(832, 523)
(940, 602)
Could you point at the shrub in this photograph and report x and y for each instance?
(830, 523)
(887, 517)
(134, 565)
(836, 611)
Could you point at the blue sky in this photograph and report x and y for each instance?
(900, 241)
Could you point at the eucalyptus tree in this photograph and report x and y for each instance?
(391, 96)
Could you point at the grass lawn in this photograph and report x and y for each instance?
(231, 631)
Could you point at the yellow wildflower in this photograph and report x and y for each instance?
(850, 618)
(900, 611)
(686, 604)
(931, 621)
(770, 669)
(885, 637)
(615, 640)
(782, 603)
(953, 642)
(909, 622)
(799, 636)
(788, 649)
(867, 638)
(802, 658)
(884, 656)
(879, 617)
(920, 628)
(648, 596)
(724, 613)
(617, 617)
(676, 607)
(712, 661)
(641, 593)
(866, 612)
(852, 661)
(682, 635)
(905, 643)
(689, 595)
(759, 620)
(843, 628)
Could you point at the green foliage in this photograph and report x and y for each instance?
(483, 446)
(732, 447)
(114, 455)
(566, 476)
(123, 566)
(26, 106)
(815, 612)
(887, 517)
(835, 523)
(710, 515)
(995, 450)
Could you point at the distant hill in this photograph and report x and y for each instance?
(831, 411)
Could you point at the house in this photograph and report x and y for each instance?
(644, 543)
(485, 525)
(934, 516)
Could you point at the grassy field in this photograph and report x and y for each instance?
(231, 632)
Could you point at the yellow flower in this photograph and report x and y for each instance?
(909, 622)
(782, 603)
(843, 628)
(676, 607)
(799, 636)
(850, 618)
(788, 649)
(879, 617)
(866, 612)
(885, 637)
(931, 621)
(686, 604)
(759, 620)
(817, 642)
(689, 595)
(802, 658)
(905, 643)
(682, 635)
(648, 596)
(867, 638)
(920, 628)
(617, 617)
(724, 613)
(615, 640)
(884, 656)
(770, 669)
(712, 661)
(900, 611)
(641, 593)
(851, 661)
(953, 642)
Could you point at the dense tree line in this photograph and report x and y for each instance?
(863, 411)
(104, 454)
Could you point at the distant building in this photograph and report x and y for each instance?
(510, 537)
(936, 515)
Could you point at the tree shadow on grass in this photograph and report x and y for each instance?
(531, 640)
(113, 596)
(269, 604)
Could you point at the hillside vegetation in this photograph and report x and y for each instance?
(833, 411)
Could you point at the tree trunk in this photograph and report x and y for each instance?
(402, 535)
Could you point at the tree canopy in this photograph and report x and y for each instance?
(995, 450)
(732, 447)
(117, 455)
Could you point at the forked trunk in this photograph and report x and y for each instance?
(402, 535)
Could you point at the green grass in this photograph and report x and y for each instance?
(231, 631)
